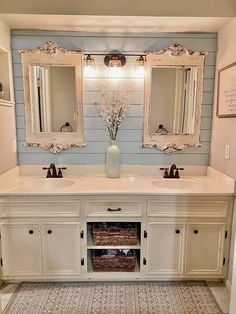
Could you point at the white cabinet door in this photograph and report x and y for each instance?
(21, 250)
(205, 248)
(61, 246)
(165, 248)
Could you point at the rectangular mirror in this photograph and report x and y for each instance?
(52, 77)
(173, 96)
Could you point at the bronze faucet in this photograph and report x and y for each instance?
(173, 172)
(52, 171)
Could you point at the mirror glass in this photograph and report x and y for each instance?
(53, 98)
(173, 100)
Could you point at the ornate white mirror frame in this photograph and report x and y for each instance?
(174, 56)
(51, 54)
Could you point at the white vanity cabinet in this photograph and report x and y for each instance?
(165, 247)
(61, 248)
(40, 249)
(188, 236)
(21, 249)
(40, 237)
(204, 250)
(179, 236)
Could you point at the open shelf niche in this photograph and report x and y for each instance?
(91, 247)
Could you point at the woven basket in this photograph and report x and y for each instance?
(115, 235)
(113, 263)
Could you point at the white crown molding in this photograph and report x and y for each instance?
(109, 24)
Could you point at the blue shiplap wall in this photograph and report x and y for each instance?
(130, 134)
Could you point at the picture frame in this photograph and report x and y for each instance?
(226, 93)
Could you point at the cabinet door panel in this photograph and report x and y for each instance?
(205, 248)
(60, 249)
(21, 250)
(165, 248)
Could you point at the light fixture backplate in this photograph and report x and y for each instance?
(119, 57)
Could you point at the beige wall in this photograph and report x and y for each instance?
(122, 7)
(4, 36)
(8, 134)
(224, 129)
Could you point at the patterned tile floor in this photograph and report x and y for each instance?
(219, 291)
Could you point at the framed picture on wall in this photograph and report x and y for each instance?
(226, 96)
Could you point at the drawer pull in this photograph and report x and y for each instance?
(195, 231)
(114, 209)
(177, 231)
(49, 231)
(31, 231)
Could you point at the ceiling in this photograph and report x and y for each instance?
(203, 8)
(124, 16)
(124, 24)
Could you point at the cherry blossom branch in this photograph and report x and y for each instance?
(113, 108)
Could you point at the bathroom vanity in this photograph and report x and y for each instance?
(183, 227)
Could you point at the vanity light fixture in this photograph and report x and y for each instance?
(89, 60)
(89, 70)
(140, 61)
(115, 62)
(140, 66)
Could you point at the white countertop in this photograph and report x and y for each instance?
(214, 183)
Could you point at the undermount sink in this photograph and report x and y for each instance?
(44, 185)
(52, 183)
(175, 183)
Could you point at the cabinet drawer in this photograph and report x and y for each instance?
(186, 207)
(68, 209)
(113, 208)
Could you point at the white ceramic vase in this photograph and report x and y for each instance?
(113, 160)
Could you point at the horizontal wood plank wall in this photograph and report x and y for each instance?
(130, 134)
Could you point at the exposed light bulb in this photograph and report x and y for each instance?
(139, 72)
(115, 62)
(89, 60)
(140, 67)
(89, 69)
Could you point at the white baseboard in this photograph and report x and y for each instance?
(227, 285)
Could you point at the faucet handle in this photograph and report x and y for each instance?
(48, 172)
(165, 172)
(60, 175)
(177, 172)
